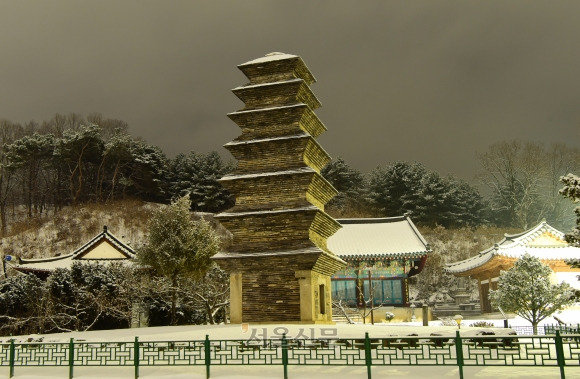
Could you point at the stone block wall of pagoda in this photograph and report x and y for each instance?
(279, 263)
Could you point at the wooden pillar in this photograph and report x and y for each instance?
(481, 302)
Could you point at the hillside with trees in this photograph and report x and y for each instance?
(62, 179)
(71, 161)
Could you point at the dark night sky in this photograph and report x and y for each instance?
(428, 81)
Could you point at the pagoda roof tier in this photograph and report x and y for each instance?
(228, 214)
(288, 92)
(312, 258)
(542, 241)
(297, 228)
(293, 189)
(276, 67)
(270, 173)
(279, 153)
(277, 122)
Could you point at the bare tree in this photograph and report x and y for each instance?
(522, 177)
(9, 132)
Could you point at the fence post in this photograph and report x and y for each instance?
(459, 353)
(560, 354)
(136, 356)
(207, 356)
(425, 314)
(368, 358)
(285, 355)
(12, 357)
(71, 357)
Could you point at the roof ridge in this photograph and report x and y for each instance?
(377, 220)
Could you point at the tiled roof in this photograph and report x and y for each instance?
(378, 237)
(65, 261)
(516, 245)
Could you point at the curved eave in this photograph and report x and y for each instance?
(302, 135)
(466, 266)
(383, 256)
(471, 265)
(44, 260)
(230, 255)
(533, 233)
(251, 86)
(268, 109)
(544, 253)
(303, 170)
(255, 213)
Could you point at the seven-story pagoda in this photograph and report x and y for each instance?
(279, 263)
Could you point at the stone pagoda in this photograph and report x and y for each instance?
(278, 261)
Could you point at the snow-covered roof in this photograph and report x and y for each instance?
(281, 107)
(302, 170)
(260, 140)
(104, 247)
(260, 85)
(542, 241)
(274, 56)
(391, 237)
(273, 61)
(267, 212)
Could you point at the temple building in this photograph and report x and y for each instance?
(279, 262)
(104, 247)
(542, 241)
(381, 254)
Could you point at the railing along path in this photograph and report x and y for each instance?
(485, 350)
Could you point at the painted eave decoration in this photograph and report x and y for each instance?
(542, 241)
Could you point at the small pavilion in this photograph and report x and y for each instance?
(104, 247)
(382, 254)
(542, 241)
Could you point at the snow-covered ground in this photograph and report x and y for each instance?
(297, 372)
(245, 331)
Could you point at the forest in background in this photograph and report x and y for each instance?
(74, 159)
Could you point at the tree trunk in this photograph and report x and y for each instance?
(173, 299)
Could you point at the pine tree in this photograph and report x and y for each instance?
(526, 290)
(393, 190)
(178, 246)
(22, 305)
(197, 175)
(349, 183)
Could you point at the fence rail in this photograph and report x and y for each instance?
(546, 350)
(548, 329)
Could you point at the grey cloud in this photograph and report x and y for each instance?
(415, 80)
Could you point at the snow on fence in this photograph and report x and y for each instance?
(482, 350)
(548, 329)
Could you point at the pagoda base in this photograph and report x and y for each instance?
(279, 289)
